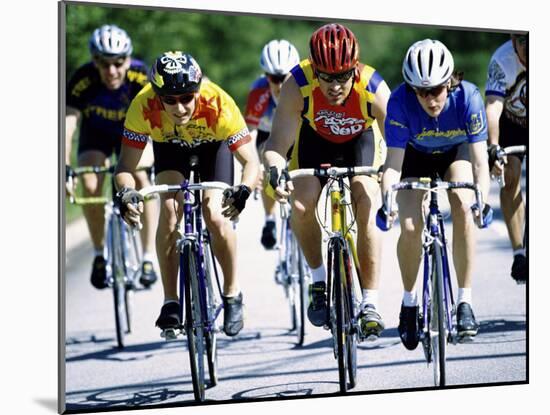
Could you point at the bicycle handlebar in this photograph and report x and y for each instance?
(427, 184)
(503, 152)
(330, 172)
(170, 188)
(333, 172)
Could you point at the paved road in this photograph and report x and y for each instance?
(263, 361)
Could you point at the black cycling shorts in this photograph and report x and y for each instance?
(419, 164)
(215, 160)
(512, 134)
(93, 139)
(312, 150)
(261, 138)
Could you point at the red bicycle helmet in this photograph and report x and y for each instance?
(333, 49)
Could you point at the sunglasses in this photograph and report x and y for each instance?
(341, 78)
(434, 92)
(174, 99)
(275, 79)
(105, 64)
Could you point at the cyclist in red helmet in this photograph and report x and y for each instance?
(332, 108)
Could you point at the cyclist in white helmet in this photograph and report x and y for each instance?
(506, 106)
(278, 58)
(436, 123)
(98, 95)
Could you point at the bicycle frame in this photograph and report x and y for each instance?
(434, 232)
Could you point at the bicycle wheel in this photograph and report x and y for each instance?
(132, 253)
(210, 335)
(349, 314)
(339, 321)
(303, 281)
(118, 270)
(438, 312)
(194, 327)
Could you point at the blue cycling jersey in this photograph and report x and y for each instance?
(463, 119)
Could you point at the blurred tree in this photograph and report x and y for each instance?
(228, 46)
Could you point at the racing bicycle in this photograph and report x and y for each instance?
(198, 296)
(438, 314)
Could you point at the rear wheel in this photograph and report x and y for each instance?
(349, 314)
(210, 334)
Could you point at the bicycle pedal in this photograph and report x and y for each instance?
(465, 339)
(169, 334)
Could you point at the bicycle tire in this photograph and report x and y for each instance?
(349, 313)
(439, 319)
(338, 304)
(302, 293)
(132, 260)
(210, 337)
(118, 277)
(194, 323)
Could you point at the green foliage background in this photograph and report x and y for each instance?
(227, 47)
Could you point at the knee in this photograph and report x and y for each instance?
(142, 180)
(168, 217)
(303, 207)
(461, 211)
(411, 229)
(91, 185)
(214, 220)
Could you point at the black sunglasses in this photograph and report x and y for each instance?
(174, 99)
(275, 79)
(434, 92)
(341, 78)
(105, 64)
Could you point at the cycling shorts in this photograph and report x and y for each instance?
(311, 150)
(91, 139)
(512, 134)
(215, 160)
(419, 164)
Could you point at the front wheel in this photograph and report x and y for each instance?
(194, 327)
(438, 326)
(338, 321)
(118, 270)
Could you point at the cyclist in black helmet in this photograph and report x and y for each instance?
(185, 115)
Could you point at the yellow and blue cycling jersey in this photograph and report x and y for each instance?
(337, 123)
(216, 118)
(463, 119)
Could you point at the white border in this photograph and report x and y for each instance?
(29, 226)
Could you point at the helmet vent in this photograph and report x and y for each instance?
(430, 62)
(419, 59)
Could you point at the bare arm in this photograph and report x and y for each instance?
(285, 124)
(248, 157)
(480, 166)
(380, 105)
(126, 165)
(494, 106)
(392, 168)
(71, 122)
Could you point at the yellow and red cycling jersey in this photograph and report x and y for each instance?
(216, 118)
(337, 123)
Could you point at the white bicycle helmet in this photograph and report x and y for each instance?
(428, 63)
(279, 57)
(110, 41)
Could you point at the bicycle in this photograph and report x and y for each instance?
(343, 307)
(202, 304)
(123, 250)
(293, 274)
(437, 327)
